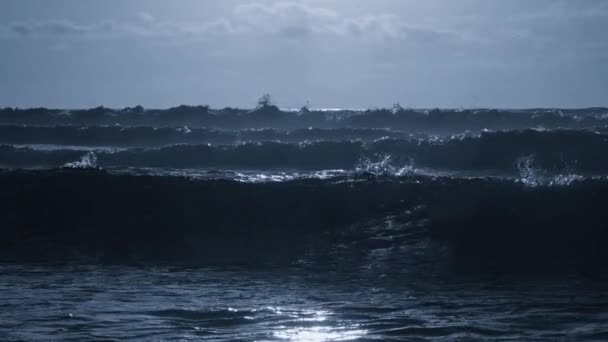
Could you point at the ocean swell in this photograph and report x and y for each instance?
(556, 152)
(467, 223)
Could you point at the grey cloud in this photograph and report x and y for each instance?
(293, 20)
(285, 17)
(562, 25)
(145, 26)
(561, 10)
(386, 26)
(142, 25)
(298, 19)
(60, 28)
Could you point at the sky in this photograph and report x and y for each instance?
(327, 53)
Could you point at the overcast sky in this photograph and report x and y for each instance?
(332, 53)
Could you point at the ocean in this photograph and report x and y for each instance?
(313, 225)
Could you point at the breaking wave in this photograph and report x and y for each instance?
(384, 166)
(557, 152)
(87, 161)
(472, 223)
(532, 176)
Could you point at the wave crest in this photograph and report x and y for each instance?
(87, 161)
(383, 165)
(532, 176)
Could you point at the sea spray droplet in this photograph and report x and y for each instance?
(384, 167)
(87, 161)
(532, 176)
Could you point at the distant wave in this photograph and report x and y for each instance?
(92, 215)
(270, 116)
(99, 136)
(555, 151)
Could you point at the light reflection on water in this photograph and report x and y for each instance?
(38, 303)
(319, 334)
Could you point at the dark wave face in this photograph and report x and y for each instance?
(475, 224)
(490, 153)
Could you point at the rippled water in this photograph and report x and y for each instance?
(291, 304)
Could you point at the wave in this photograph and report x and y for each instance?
(532, 176)
(270, 116)
(472, 223)
(557, 152)
(88, 161)
(100, 136)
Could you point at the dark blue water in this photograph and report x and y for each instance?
(76, 303)
(196, 224)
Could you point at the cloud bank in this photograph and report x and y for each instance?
(291, 20)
